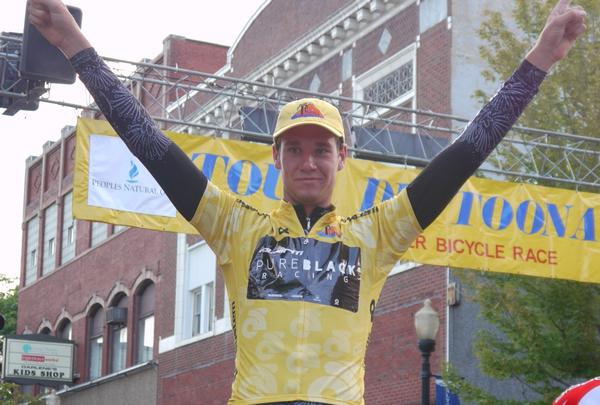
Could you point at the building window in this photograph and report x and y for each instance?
(96, 341)
(145, 324)
(392, 86)
(68, 230)
(32, 243)
(49, 259)
(118, 228)
(52, 246)
(65, 330)
(45, 331)
(203, 309)
(392, 82)
(99, 233)
(199, 311)
(118, 337)
(71, 235)
(347, 65)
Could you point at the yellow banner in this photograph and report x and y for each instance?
(489, 225)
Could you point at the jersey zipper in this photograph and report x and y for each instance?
(307, 230)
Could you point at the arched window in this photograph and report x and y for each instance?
(145, 323)
(116, 318)
(95, 341)
(65, 330)
(45, 331)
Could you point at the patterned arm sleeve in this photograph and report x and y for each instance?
(432, 190)
(183, 182)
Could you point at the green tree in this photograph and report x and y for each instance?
(547, 331)
(567, 101)
(8, 304)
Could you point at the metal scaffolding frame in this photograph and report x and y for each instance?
(196, 102)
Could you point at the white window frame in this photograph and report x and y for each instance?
(203, 311)
(185, 285)
(119, 228)
(64, 331)
(145, 338)
(95, 357)
(50, 224)
(71, 233)
(52, 246)
(68, 229)
(200, 271)
(98, 233)
(33, 226)
(118, 348)
(381, 70)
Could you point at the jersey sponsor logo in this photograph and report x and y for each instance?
(305, 269)
(330, 231)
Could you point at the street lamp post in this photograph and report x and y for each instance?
(427, 323)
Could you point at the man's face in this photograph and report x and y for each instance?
(309, 158)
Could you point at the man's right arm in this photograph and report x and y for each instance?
(182, 182)
(435, 186)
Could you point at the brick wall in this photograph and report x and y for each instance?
(121, 261)
(183, 53)
(277, 26)
(434, 70)
(34, 182)
(197, 373)
(403, 29)
(393, 363)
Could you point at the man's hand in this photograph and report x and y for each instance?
(563, 26)
(57, 25)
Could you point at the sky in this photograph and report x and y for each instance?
(129, 30)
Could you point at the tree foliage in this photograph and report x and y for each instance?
(566, 102)
(9, 392)
(568, 98)
(10, 395)
(547, 331)
(8, 304)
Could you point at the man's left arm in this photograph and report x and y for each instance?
(436, 185)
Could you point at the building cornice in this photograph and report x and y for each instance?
(338, 32)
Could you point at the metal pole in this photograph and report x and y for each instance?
(426, 346)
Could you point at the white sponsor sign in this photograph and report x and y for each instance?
(118, 180)
(37, 360)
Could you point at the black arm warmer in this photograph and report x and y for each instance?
(434, 187)
(182, 182)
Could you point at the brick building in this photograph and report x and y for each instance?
(150, 307)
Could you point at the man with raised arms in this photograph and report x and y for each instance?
(302, 281)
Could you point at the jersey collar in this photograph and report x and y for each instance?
(292, 220)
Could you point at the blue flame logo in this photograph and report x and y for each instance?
(26, 347)
(133, 173)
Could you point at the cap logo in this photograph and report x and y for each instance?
(307, 110)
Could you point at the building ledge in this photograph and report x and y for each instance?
(138, 368)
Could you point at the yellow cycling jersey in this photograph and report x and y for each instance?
(302, 304)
